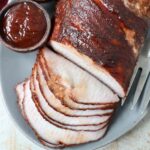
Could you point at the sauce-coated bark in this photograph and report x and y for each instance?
(105, 31)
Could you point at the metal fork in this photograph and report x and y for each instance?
(143, 64)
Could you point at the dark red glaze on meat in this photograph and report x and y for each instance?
(96, 29)
(143, 9)
(130, 20)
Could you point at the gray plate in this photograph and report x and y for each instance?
(15, 67)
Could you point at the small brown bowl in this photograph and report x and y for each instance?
(45, 36)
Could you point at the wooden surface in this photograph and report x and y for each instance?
(12, 139)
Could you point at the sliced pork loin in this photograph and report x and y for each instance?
(41, 101)
(58, 119)
(48, 133)
(72, 103)
(75, 82)
(57, 102)
(54, 109)
(101, 36)
(20, 90)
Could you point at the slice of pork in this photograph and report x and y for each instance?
(57, 103)
(101, 36)
(83, 87)
(66, 126)
(49, 114)
(20, 90)
(53, 107)
(50, 132)
(72, 103)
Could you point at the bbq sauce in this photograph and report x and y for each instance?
(24, 25)
(3, 3)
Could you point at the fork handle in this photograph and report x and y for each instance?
(146, 48)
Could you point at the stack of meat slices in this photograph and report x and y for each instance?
(64, 104)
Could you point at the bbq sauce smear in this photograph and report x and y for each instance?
(24, 25)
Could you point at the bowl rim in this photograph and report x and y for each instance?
(43, 39)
